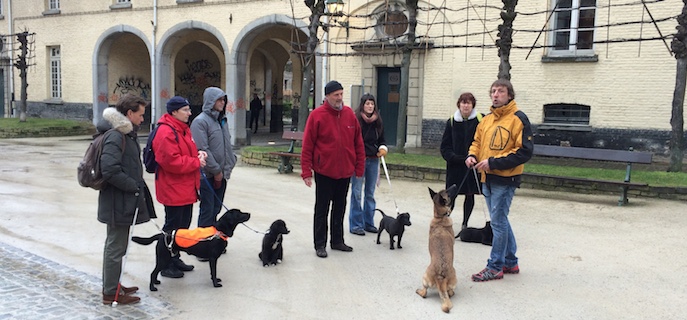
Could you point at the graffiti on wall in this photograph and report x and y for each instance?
(198, 75)
(130, 84)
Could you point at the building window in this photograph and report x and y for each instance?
(53, 4)
(55, 73)
(120, 4)
(572, 31)
(566, 113)
(392, 21)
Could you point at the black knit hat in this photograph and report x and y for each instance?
(332, 86)
(176, 103)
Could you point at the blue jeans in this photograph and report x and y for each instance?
(210, 202)
(362, 213)
(503, 247)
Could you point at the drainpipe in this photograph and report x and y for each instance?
(153, 71)
(10, 31)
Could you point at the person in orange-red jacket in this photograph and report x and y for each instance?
(177, 178)
(333, 148)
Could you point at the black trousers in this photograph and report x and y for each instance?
(329, 191)
(254, 117)
(177, 217)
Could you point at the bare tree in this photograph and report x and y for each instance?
(679, 47)
(317, 10)
(405, 75)
(505, 40)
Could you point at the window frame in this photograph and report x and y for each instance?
(573, 29)
(53, 5)
(55, 70)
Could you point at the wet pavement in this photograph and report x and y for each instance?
(581, 256)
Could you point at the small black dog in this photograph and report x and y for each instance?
(394, 226)
(272, 250)
(209, 248)
(477, 235)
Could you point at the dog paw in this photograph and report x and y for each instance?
(217, 285)
(278, 260)
(391, 248)
(157, 282)
(400, 247)
(152, 288)
(266, 265)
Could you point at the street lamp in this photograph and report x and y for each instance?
(334, 7)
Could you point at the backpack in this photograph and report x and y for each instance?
(88, 172)
(148, 153)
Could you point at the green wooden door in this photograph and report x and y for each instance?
(388, 94)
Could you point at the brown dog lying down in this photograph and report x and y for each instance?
(440, 272)
(210, 248)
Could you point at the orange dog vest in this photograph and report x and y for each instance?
(188, 237)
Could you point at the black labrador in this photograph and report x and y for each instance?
(210, 244)
(394, 226)
(272, 250)
(477, 235)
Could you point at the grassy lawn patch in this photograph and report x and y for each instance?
(38, 127)
(653, 178)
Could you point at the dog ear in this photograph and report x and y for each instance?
(431, 193)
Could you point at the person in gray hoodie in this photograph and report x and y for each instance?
(211, 133)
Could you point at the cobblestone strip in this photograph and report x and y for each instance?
(33, 287)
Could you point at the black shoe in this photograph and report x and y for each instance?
(371, 229)
(172, 272)
(181, 265)
(321, 252)
(358, 232)
(342, 247)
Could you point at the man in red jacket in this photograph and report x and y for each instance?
(332, 148)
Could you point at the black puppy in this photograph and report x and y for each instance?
(209, 245)
(272, 251)
(477, 235)
(394, 226)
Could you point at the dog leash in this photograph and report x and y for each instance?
(207, 181)
(386, 172)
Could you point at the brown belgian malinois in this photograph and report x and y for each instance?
(440, 272)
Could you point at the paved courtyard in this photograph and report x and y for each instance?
(581, 255)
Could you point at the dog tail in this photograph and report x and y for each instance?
(382, 212)
(146, 241)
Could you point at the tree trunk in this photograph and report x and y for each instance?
(405, 75)
(505, 35)
(316, 9)
(677, 135)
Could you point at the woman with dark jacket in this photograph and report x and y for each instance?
(177, 178)
(361, 217)
(125, 195)
(455, 143)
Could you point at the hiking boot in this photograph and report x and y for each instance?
(181, 265)
(511, 270)
(359, 232)
(486, 275)
(321, 252)
(171, 272)
(342, 247)
(122, 299)
(128, 290)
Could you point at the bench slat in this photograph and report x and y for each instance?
(593, 154)
(618, 183)
(292, 135)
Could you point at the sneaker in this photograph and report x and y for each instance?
(181, 265)
(371, 229)
(122, 299)
(511, 270)
(321, 252)
(486, 275)
(342, 247)
(359, 232)
(171, 272)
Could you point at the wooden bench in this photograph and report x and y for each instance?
(627, 156)
(285, 166)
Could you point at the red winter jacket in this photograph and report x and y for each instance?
(177, 179)
(332, 144)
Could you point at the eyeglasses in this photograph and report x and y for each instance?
(185, 109)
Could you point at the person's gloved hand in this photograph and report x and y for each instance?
(382, 151)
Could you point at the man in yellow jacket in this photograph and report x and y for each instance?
(502, 145)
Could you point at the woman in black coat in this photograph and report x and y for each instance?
(455, 144)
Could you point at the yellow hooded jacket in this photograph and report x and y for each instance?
(505, 138)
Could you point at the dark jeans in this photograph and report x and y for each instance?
(254, 117)
(210, 202)
(177, 217)
(334, 191)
